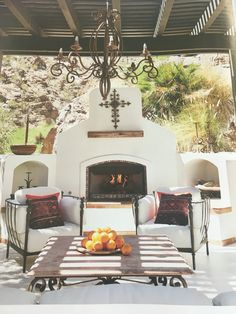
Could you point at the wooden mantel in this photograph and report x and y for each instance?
(111, 134)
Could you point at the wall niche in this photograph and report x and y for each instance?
(29, 174)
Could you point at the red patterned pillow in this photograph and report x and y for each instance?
(44, 213)
(174, 209)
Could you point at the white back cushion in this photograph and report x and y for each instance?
(20, 195)
(70, 209)
(147, 209)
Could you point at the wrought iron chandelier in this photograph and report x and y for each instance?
(104, 64)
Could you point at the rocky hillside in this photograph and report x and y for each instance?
(26, 85)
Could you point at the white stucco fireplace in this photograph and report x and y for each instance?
(136, 141)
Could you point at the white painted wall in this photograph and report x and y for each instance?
(156, 150)
(13, 168)
(196, 165)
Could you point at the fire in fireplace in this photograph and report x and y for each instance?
(116, 181)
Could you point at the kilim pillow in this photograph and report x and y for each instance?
(44, 213)
(174, 209)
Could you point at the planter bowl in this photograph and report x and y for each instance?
(23, 149)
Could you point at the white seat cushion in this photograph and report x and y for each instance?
(125, 293)
(225, 298)
(15, 296)
(38, 237)
(179, 235)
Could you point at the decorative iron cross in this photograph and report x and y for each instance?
(115, 103)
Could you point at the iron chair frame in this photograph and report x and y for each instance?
(203, 228)
(13, 240)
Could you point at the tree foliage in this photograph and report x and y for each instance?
(196, 106)
(167, 96)
(6, 130)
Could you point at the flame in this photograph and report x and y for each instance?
(119, 178)
(112, 181)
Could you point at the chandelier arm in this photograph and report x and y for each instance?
(93, 44)
(127, 75)
(57, 68)
(70, 76)
(120, 45)
(73, 61)
(114, 58)
(148, 68)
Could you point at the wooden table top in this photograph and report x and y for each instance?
(151, 256)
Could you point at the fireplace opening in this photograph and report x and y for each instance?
(115, 181)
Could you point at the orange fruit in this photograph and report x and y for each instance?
(83, 242)
(112, 235)
(89, 235)
(107, 229)
(104, 237)
(97, 246)
(96, 237)
(89, 245)
(126, 249)
(111, 245)
(99, 230)
(119, 242)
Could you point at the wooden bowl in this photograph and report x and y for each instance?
(23, 149)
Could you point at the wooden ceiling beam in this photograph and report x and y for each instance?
(2, 33)
(213, 10)
(204, 43)
(70, 16)
(22, 16)
(163, 17)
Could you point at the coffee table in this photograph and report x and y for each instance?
(153, 257)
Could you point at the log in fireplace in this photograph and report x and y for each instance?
(115, 181)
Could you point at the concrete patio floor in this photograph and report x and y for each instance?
(214, 274)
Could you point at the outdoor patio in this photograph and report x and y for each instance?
(115, 155)
(214, 274)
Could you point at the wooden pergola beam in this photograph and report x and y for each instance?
(2, 33)
(22, 16)
(209, 16)
(204, 43)
(70, 16)
(163, 17)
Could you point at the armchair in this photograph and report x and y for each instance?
(24, 219)
(188, 237)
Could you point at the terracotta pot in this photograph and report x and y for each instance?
(23, 149)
